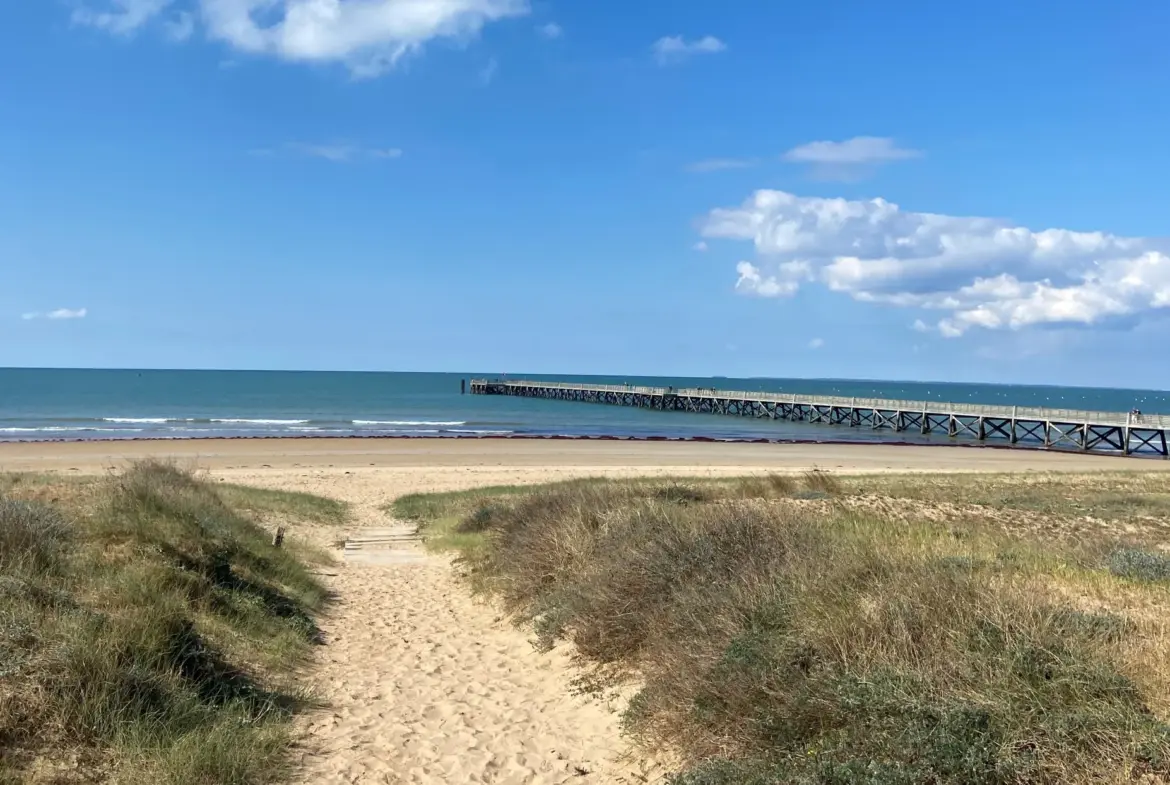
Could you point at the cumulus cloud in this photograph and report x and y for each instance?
(674, 48)
(848, 159)
(338, 153)
(60, 313)
(550, 31)
(973, 273)
(120, 17)
(721, 164)
(368, 36)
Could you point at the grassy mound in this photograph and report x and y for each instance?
(781, 634)
(148, 630)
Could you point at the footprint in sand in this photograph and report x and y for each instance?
(425, 685)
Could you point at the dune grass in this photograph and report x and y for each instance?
(149, 630)
(286, 504)
(782, 631)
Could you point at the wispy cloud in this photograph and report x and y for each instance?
(119, 17)
(674, 48)
(338, 153)
(722, 164)
(181, 27)
(487, 74)
(816, 343)
(974, 273)
(700, 246)
(848, 159)
(60, 313)
(550, 31)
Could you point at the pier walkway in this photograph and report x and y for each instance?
(1110, 432)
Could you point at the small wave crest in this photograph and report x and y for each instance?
(411, 423)
(66, 429)
(140, 420)
(247, 421)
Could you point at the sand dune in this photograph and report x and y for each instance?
(421, 683)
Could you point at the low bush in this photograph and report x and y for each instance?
(775, 642)
(151, 639)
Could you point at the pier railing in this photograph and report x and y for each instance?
(1079, 416)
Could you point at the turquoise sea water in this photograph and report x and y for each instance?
(100, 404)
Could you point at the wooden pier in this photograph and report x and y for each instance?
(1109, 432)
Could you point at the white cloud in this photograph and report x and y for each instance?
(369, 36)
(338, 153)
(751, 282)
(60, 313)
(850, 159)
(120, 17)
(551, 31)
(675, 48)
(816, 343)
(700, 246)
(858, 150)
(721, 164)
(181, 27)
(975, 272)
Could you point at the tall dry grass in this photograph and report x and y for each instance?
(148, 637)
(775, 642)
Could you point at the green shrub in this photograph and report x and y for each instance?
(1140, 565)
(33, 537)
(154, 638)
(782, 643)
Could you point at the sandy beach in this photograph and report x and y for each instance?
(423, 684)
(478, 454)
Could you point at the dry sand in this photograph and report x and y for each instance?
(503, 453)
(421, 683)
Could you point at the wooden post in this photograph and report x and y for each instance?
(463, 387)
(278, 538)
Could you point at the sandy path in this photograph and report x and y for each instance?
(425, 684)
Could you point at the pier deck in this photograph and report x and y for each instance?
(1108, 432)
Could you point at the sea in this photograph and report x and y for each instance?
(61, 404)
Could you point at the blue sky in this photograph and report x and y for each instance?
(925, 190)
